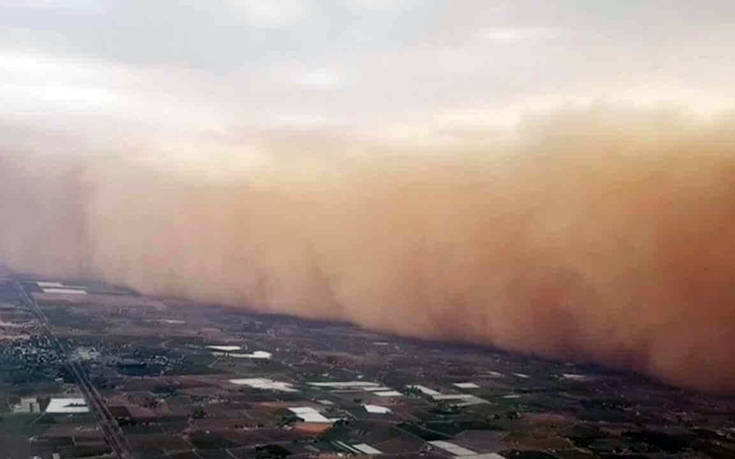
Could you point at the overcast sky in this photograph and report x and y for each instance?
(176, 70)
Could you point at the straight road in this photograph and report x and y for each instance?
(111, 429)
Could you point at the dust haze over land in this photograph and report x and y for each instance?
(597, 235)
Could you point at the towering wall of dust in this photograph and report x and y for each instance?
(595, 236)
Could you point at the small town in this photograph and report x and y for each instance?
(90, 370)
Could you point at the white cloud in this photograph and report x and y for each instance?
(43, 67)
(377, 5)
(299, 120)
(269, 14)
(517, 34)
(320, 79)
(49, 4)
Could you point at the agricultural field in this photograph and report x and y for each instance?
(182, 380)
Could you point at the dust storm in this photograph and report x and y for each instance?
(598, 235)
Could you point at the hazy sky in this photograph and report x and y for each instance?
(219, 71)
